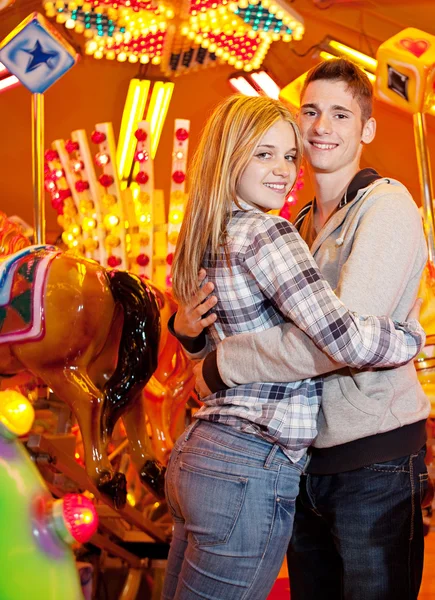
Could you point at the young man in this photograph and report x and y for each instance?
(358, 526)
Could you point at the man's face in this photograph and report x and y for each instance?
(331, 126)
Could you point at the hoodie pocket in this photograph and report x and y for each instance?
(369, 392)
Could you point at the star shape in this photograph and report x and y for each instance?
(39, 57)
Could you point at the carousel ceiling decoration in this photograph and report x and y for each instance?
(179, 35)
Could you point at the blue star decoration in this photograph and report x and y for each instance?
(36, 53)
(39, 57)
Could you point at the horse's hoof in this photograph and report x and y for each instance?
(114, 486)
(152, 476)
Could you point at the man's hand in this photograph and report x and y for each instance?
(188, 320)
(200, 384)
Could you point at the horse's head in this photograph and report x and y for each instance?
(11, 237)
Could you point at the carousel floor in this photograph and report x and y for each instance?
(280, 590)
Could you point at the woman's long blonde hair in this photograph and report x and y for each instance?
(227, 144)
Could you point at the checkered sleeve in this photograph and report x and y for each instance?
(288, 276)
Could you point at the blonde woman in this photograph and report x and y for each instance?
(233, 476)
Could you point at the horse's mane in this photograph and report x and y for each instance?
(12, 238)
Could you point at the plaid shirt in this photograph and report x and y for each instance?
(273, 278)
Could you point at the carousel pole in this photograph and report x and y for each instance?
(425, 178)
(38, 56)
(38, 167)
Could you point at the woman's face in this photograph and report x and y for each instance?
(271, 172)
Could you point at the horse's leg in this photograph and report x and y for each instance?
(78, 391)
(150, 470)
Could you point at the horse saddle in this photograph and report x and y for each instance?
(22, 285)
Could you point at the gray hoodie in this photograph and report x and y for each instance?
(372, 251)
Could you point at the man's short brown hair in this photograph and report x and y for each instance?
(342, 69)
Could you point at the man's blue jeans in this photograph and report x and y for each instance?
(232, 497)
(359, 535)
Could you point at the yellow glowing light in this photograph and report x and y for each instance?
(89, 224)
(362, 59)
(327, 56)
(175, 216)
(16, 412)
(91, 47)
(111, 221)
(61, 18)
(67, 238)
(87, 516)
(133, 113)
(292, 92)
(75, 230)
(157, 111)
(77, 455)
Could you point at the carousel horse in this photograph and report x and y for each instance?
(161, 405)
(156, 415)
(61, 317)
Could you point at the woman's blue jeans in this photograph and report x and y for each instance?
(232, 497)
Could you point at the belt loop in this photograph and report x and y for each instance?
(271, 456)
(191, 429)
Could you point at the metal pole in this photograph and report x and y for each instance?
(425, 177)
(38, 168)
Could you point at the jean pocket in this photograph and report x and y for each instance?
(426, 490)
(396, 465)
(210, 503)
